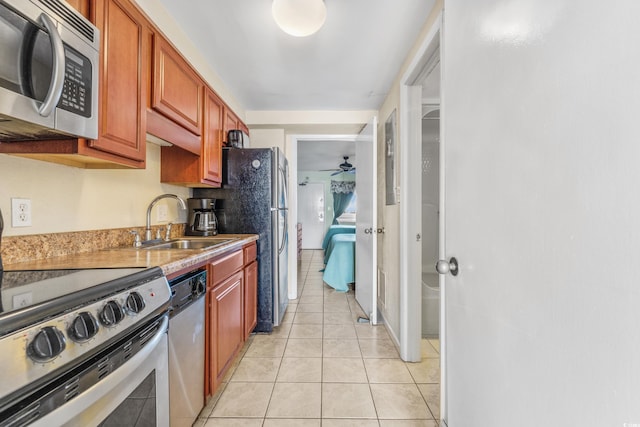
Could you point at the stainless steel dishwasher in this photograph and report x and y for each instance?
(186, 348)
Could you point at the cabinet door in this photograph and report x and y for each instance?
(123, 79)
(243, 127)
(250, 298)
(230, 123)
(81, 6)
(226, 328)
(177, 89)
(212, 138)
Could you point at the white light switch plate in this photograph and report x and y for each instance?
(20, 212)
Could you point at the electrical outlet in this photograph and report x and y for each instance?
(162, 213)
(22, 300)
(21, 212)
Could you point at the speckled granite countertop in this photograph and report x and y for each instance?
(169, 260)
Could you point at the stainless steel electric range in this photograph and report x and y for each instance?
(80, 347)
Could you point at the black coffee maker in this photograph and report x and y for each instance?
(202, 219)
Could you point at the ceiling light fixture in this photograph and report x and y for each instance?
(299, 18)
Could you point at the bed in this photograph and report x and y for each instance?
(339, 270)
(334, 230)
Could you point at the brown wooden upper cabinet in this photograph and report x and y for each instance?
(212, 141)
(123, 79)
(183, 167)
(231, 121)
(123, 82)
(243, 127)
(81, 6)
(145, 86)
(176, 98)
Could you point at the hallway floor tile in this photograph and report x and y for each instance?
(322, 368)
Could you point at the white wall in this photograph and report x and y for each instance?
(267, 138)
(65, 198)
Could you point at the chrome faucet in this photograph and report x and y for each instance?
(147, 230)
(167, 235)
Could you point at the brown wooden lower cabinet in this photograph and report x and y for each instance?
(250, 298)
(231, 311)
(226, 331)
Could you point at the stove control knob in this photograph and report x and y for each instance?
(135, 303)
(84, 327)
(47, 344)
(111, 313)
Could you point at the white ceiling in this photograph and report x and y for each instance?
(324, 155)
(349, 64)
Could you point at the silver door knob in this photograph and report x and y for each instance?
(368, 230)
(444, 266)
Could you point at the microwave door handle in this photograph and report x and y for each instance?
(57, 78)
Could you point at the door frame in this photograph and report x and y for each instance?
(371, 262)
(291, 151)
(411, 207)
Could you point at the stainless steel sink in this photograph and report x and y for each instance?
(187, 243)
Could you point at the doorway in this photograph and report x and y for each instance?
(422, 322)
(430, 169)
(311, 213)
(422, 228)
(317, 159)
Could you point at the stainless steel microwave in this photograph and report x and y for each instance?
(49, 57)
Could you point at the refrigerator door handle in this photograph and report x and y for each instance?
(284, 190)
(284, 231)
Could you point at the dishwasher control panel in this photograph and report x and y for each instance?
(186, 289)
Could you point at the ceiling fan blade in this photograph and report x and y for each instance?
(336, 173)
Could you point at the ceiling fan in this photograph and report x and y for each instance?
(345, 167)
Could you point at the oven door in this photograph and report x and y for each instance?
(135, 394)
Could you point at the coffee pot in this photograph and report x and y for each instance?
(202, 219)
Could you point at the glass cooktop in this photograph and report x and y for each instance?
(42, 293)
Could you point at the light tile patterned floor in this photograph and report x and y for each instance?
(323, 368)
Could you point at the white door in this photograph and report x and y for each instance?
(366, 221)
(311, 214)
(541, 105)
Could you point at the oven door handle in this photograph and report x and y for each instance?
(95, 404)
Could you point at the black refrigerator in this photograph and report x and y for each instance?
(253, 199)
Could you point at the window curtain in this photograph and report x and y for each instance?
(342, 192)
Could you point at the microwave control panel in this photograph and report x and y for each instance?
(76, 92)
